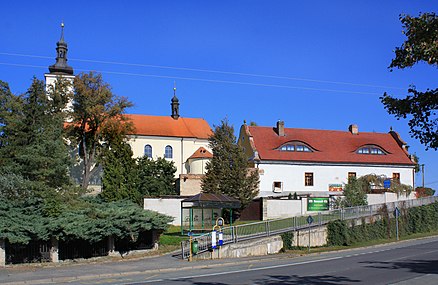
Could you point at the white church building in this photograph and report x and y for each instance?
(181, 140)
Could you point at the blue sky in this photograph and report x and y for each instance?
(313, 64)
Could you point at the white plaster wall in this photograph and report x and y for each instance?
(183, 148)
(51, 80)
(170, 207)
(292, 176)
(197, 165)
(283, 208)
(388, 197)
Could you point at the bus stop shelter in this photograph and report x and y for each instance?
(199, 212)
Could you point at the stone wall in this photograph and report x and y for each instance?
(259, 247)
(318, 237)
(2, 253)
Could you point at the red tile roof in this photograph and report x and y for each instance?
(201, 153)
(329, 146)
(166, 126)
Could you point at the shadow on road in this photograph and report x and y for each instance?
(295, 279)
(417, 266)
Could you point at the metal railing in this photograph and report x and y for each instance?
(267, 228)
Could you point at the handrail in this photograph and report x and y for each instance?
(235, 234)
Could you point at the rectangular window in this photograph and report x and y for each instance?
(277, 186)
(396, 177)
(308, 179)
(351, 174)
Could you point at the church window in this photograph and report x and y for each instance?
(148, 151)
(168, 152)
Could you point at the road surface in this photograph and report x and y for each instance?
(407, 262)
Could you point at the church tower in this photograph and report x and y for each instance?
(60, 68)
(175, 105)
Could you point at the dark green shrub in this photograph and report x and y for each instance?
(288, 239)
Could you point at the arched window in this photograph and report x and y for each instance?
(148, 151)
(371, 149)
(168, 152)
(295, 146)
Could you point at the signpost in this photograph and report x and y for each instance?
(309, 221)
(396, 214)
(217, 237)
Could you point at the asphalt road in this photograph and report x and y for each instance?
(408, 262)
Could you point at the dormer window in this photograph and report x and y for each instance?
(295, 146)
(371, 149)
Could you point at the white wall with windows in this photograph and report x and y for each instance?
(174, 149)
(278, 178)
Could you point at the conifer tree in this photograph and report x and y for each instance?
(228, 171)
(32, 134)
(120, 177)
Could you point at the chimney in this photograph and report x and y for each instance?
(280, 128)
(353, 129)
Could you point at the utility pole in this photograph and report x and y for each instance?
(422, 173)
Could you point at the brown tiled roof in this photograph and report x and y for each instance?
(328, 146)
(166, 126)
(201, 153)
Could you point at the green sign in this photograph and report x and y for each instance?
(317, 204)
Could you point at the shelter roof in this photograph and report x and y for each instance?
(210, 200)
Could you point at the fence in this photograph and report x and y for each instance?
(238, 233)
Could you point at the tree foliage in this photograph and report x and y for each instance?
(97, 120)
(120, 175)
(421, 45)
(93, 220)
(355, 193)
(373, 181)
(32, 136)
(37, 200)
(228, 171)
(156, 177)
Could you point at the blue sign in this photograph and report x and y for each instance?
(387, 183)
(309, 220)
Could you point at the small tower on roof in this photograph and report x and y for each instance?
(61, 67)
(175, 104)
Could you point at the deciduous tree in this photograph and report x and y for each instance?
(156, 177)
(97, 120)
(421, 45)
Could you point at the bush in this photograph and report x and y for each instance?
(288, 239)
(421, 219)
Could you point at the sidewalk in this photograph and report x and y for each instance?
(57, 273)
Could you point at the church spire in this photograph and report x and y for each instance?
(175, 104)
(61, 67)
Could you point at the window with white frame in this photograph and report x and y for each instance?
(148, 150)
(168, 152)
